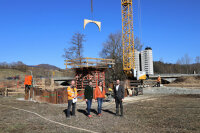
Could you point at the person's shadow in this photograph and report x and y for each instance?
(85, 112)
(82, 111)
(108, 111)
(65, 111)
(94, 111)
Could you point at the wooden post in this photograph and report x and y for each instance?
(52, 84)
(104, 81)
(43, 83)
(6, 92)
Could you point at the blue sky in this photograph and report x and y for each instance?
(37, 31)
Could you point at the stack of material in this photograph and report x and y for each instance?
(58, 96)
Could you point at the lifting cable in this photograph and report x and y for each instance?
(139, 21)
(92, 9)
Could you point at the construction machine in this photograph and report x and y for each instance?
(134, 77)
(128, 42)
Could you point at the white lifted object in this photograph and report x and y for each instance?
(86, 21)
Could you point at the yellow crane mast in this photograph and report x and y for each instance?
(128, 42)
(127, 36)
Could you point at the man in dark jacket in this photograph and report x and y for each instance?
(88, 97)
(119, 97)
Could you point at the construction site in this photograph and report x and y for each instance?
(36, 99)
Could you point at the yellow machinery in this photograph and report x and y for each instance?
(128, 41)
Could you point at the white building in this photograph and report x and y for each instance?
(147, 61)
(137, 60)
(144, 61)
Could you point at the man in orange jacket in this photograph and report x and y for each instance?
(72, 98)
(99, 96)
(28, 82)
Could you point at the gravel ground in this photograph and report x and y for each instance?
(152, 112)
(170, 90)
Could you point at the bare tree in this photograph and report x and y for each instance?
(178, 66)
(112, 49)
(115, 38)
(197, 59)
(20, 66)
(4, 65)
(179, 62)
(197, 65)
(137, 44)
(186, 60)
(76, 48)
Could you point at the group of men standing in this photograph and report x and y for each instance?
(97, 94)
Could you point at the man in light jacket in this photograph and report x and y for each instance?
(119, 97)
(72, 96)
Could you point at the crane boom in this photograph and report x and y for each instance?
(128, 42)
(127, 35)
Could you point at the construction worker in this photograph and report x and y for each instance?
(72, 98)
(99, 96)
(28, 83)
(158, 81)
(119, 97)
(88, 93)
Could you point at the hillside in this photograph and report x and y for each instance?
(46, 66)
(37, 72)
(5, 73)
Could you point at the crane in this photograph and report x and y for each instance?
(127, 39)
(128, 42)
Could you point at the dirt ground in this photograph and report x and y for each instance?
(188, 82)
(149, 113)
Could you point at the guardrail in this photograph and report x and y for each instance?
(172, 75)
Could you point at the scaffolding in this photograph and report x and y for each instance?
(90, 62)
(89, 69)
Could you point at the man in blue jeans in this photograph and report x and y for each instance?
(88, 97)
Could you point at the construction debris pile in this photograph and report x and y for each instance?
(190, 82)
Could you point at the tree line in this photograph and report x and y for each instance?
(112, 49)
(183, 65)
(14, 65)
